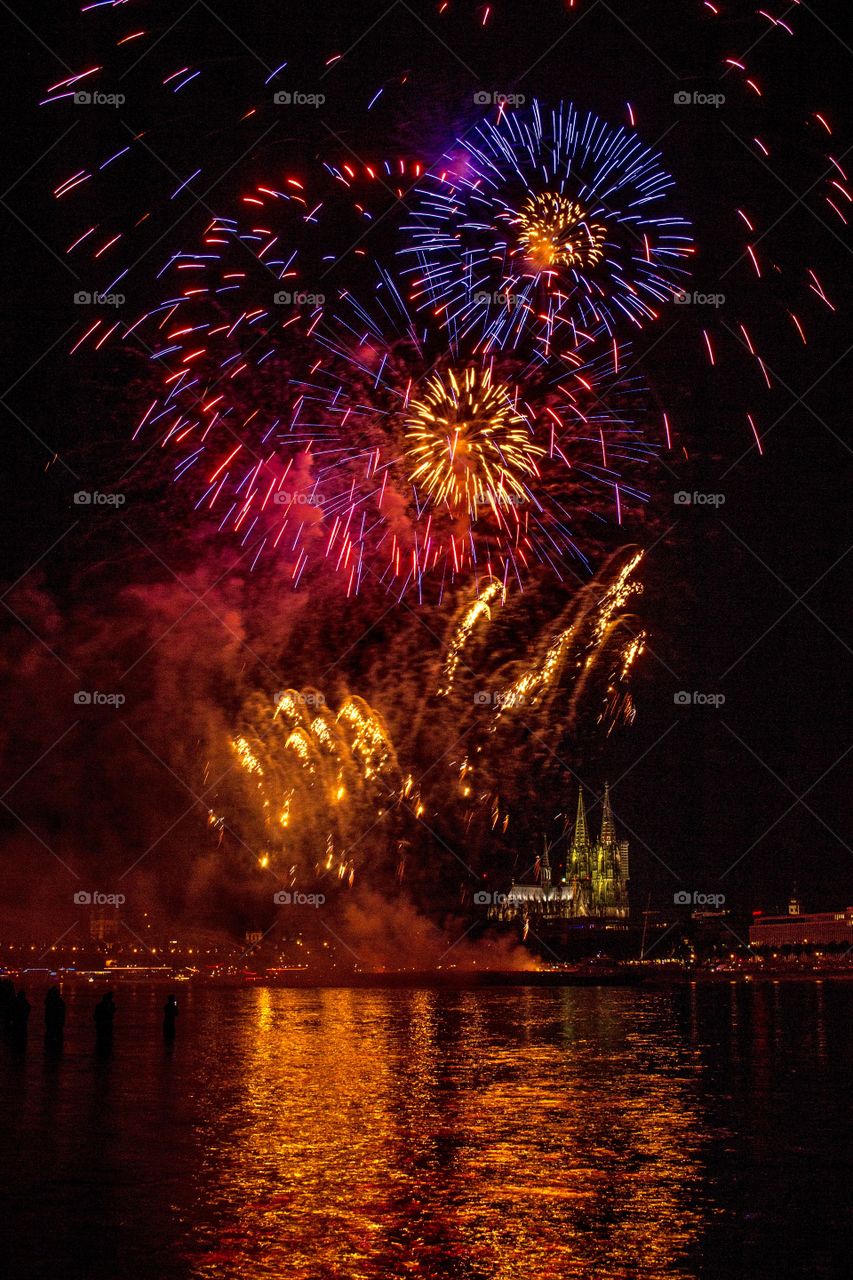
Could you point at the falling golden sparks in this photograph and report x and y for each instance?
(481, 608)
(617, 596)
(246, 756)
(320, 775)
(532, 685)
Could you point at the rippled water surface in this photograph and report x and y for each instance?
(516, 1134)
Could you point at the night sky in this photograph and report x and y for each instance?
(744, 599)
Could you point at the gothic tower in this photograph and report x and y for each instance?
(609, 875)
(579, 864)
(545, 872)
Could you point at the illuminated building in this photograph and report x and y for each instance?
(597, 874)
(593, 888)
(795, 930)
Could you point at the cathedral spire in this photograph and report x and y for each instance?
(580, 838)
(608, 830)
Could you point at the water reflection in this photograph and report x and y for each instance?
(520, 1134)
(508, 1135)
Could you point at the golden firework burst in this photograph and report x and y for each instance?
(555, 232)
(467, 443)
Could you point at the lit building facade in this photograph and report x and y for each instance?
(795, 930)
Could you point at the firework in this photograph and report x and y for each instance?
(318, 780)
(332, 793)
(537, 219)
(363, 440)
(547, 213)
(448, 464)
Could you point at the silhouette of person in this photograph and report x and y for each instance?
(20, 1017)
(170, 1013)
(54, 1017)
(105, 1012)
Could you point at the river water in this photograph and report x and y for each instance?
(504, 1134)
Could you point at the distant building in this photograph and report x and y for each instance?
(594, 884)
(799, 930)
(103, 926)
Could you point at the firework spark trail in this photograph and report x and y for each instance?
(593, 618)
(463, 628)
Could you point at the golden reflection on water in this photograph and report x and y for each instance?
(493, 1135)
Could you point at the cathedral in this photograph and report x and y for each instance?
(594, 885)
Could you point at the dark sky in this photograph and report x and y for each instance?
(746, 599)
